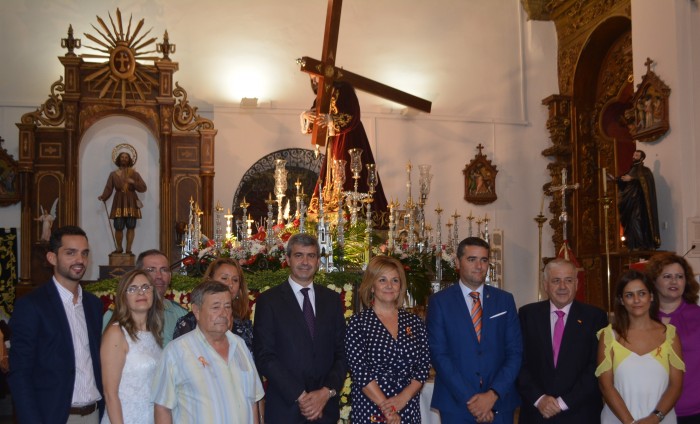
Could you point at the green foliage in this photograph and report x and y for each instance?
(256, 281)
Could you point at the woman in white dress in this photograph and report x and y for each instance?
(131, 349)
(640, 366)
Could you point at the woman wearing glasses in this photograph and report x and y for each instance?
(640, 368)
(131, 349)
(678, 298)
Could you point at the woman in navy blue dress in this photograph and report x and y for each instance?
(386, 349)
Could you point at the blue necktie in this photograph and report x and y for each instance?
(308, 311)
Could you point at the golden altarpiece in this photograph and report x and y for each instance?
(588, 130)
(124, 72)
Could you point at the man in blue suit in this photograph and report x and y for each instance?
(475, 344)
(299, 342)
(54, 360)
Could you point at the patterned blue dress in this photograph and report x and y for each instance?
(373, 354)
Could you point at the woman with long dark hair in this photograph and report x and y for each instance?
(640, 366)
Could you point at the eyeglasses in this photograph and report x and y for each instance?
(136, 289)
(152, 270)
(671, 277)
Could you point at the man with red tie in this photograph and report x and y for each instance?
(557, 381)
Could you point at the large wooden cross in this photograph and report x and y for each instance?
(327, 73)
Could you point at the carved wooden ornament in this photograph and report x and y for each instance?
(9, 180)
(648, 117)
(480, 180)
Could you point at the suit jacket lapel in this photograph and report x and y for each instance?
(56, 305)
(490, 308)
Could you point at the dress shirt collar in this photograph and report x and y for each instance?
(296, 287)
(467, 290)
(67, 295)
(566, 308)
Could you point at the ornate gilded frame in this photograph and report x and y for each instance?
(9, 181)
(127, 73)
(649, 110)
(480, 180)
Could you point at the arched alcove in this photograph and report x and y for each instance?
(95, 164)
(258, 181)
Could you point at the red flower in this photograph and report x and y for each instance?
(285, 236)
(188, 261)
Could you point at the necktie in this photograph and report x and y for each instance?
(308, 311)
(558, 333)
(476, 314)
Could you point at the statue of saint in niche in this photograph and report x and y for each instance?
(126, 206)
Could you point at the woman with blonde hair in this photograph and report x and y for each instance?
(640, 365)
(229, 272)
(131, 349)
(386, 348)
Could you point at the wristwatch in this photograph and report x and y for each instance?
(660, 415)
(331, 393)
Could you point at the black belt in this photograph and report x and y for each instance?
(83, 410)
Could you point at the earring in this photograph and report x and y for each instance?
(371, 298)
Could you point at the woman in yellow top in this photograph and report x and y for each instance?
(640, 368)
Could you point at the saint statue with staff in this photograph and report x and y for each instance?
(126, 206)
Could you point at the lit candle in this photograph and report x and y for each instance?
(605, 181)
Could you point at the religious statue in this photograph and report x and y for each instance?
(345, 131)
(126, 206)
(47, 219)
(637, 205)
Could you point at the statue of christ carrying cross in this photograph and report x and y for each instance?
(345, 131)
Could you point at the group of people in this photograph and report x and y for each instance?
(152, 361)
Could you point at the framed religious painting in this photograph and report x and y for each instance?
(9, 179)
(480, 180)
(649, 108)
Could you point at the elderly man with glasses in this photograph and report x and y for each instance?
(156, 264)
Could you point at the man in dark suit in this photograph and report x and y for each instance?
(475, 344)
(54, 360)
(298, 333)
(558, 384)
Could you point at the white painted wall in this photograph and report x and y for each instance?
(488, 95)
(669, 34)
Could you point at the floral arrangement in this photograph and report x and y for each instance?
(344, 283)
(264, 267)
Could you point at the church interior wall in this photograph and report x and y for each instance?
(502, 111)
(670, 37)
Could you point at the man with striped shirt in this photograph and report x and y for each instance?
(207, 375)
